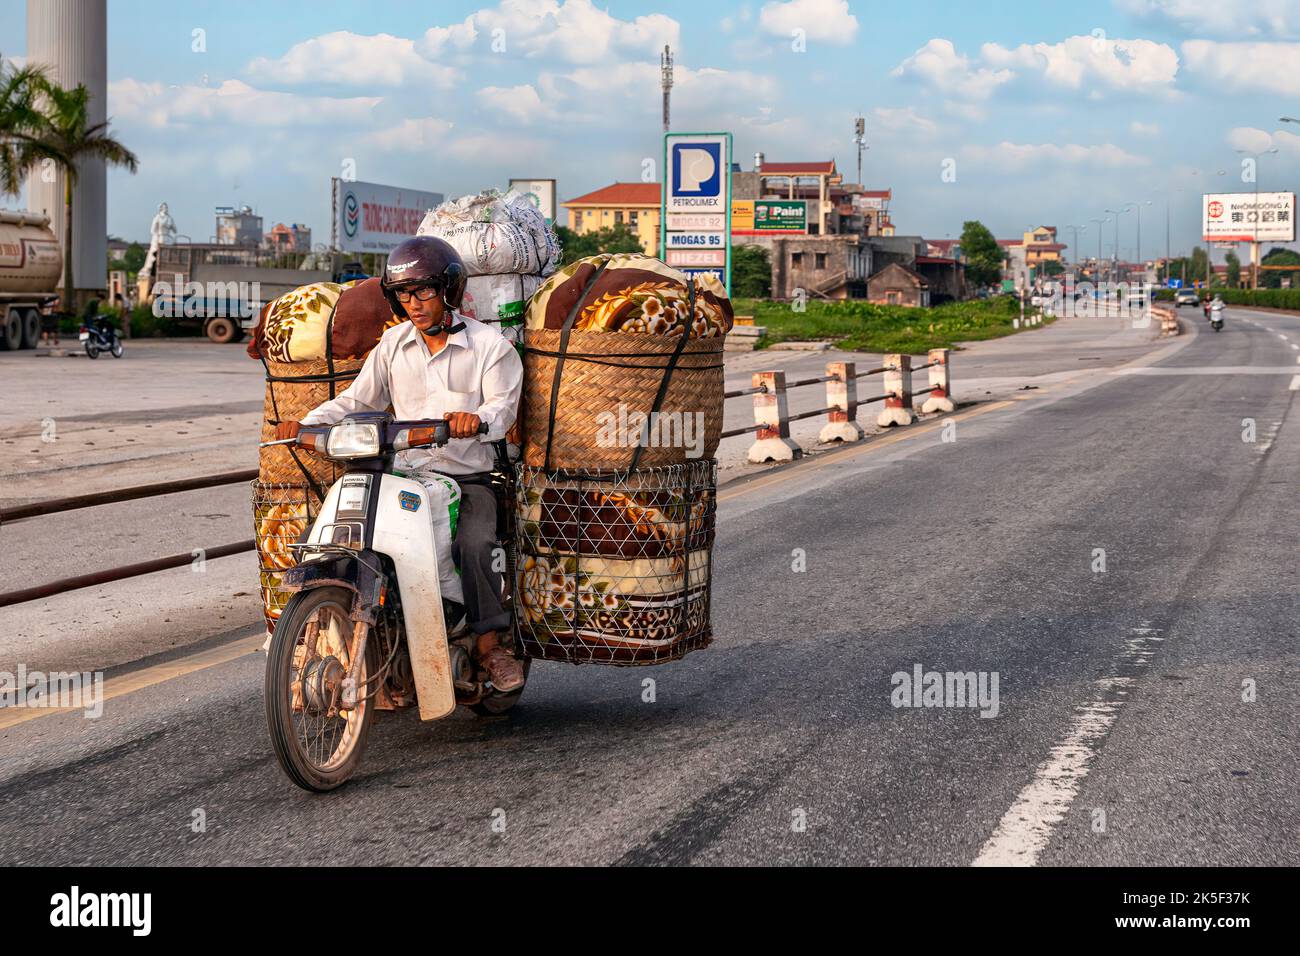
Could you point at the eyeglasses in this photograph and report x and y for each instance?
(423, 294)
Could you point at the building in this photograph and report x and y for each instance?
(635, 205)
(896, 284)
(1035, 248)
(241, 227)
(291, 238)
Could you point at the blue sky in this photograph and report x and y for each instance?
(1048, 112)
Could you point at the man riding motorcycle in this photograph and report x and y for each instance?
(442, 364)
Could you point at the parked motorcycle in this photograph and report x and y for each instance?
(98, 335)
(367, 627)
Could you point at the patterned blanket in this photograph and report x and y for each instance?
(295, 326)
(634, 293)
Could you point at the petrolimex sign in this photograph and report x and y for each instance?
(696, 213)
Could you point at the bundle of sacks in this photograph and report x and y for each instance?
(623, 382)
(508, 249)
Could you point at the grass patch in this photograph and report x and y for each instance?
(858, 326)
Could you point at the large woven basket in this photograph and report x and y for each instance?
(615, 570)
(610, 378)
(281, 512)
(292, 390)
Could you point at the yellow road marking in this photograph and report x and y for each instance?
(158, 673)
(145, 677)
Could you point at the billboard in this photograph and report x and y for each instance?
(696, 204)
(369, 217)
(750, 217)
(540, 192)
(1248, 217)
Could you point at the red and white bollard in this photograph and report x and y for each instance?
(772, 411)
(898, 391)
(842, 393)
(940, 399)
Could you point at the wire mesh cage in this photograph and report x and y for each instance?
(615, 570)
(281, 513)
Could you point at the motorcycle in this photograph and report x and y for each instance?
(1216, 317)
(98, 335)
(367, 627)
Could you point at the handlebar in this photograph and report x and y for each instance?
(395, 435)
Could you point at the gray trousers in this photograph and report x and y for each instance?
(475, 550)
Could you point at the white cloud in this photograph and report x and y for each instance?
(353, 59)
(1077, 61)
(825, 20)
(520, 103)
(1139, 128)
(575, 31)
(413, 135)
(939, 66)
(1248, 138)
(159, 105)
(1018, 156)
(1248, 18)
(1239, 67)
(900, 120)
(439, 40)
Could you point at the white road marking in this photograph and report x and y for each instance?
(1295, 384)
(1207, 370)
(1026, 828)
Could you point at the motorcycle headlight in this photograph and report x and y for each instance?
(353, 440)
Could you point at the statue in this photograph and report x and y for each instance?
(161, 230)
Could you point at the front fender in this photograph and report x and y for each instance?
(358, 573)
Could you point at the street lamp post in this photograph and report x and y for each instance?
(1099, 223)
(1115, 258)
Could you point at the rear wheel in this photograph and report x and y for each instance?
(11, 330)
(92, 349)
(318, 745)
(31, 328)
(223, 331)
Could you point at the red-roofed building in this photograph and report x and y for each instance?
(634, 205)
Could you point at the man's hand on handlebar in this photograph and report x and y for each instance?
(462, 424)
(287, 430)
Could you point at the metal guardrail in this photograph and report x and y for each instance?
(769, 394)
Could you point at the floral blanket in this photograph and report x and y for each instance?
(295, 326)
(634, 293)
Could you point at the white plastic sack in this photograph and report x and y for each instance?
(500, 301)
(444, 510)
(495, 233)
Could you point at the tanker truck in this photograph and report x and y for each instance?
(30, 268)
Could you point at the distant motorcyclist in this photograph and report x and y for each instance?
(442, 364)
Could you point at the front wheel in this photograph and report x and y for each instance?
(318, 745)
(116, 349)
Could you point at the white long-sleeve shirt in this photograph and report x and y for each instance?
(477, 371)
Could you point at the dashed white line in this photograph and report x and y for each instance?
(1295, 384)
(1026, 828)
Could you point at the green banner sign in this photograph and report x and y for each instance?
(781, 214)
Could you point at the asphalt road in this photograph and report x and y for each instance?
(1146, 713)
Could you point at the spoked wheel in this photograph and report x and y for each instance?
(91, 349)
(117, 349)
(318, 745)
(495, 705)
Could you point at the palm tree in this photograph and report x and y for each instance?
(63, 135)
(18, 118)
